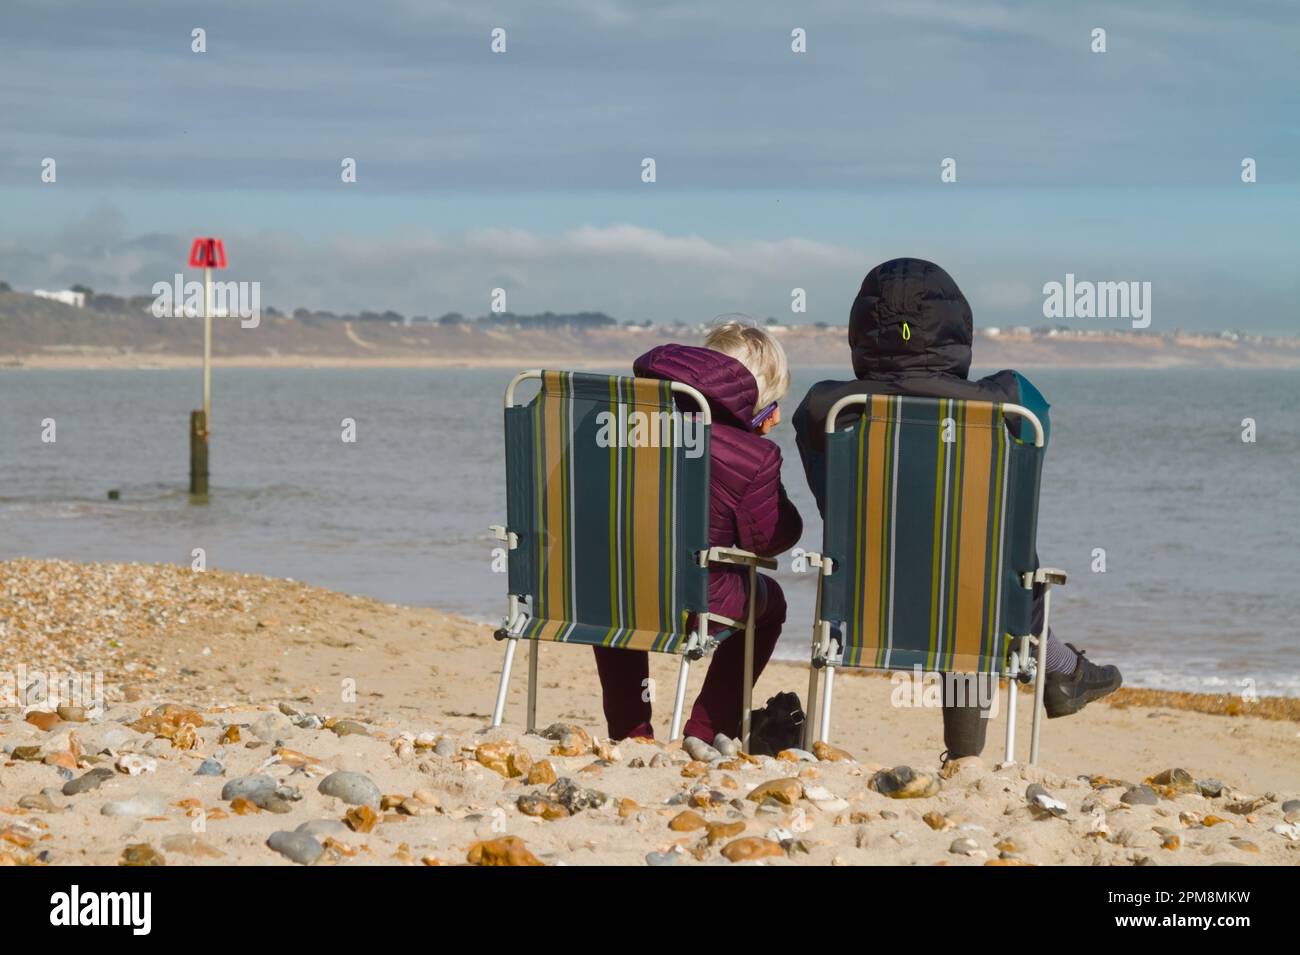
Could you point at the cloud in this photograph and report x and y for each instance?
(629, 271)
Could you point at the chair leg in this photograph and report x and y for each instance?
(747, 692)
(679, 700)
(498, 711)
(533, 651)
(1040, 677)
(810, 714)
(1012, 693)
(824, 733)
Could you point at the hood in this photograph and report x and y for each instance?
(923, 297)
(725, 383)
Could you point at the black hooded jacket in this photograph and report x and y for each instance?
(910, 333)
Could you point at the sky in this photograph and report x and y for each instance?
(774, 170)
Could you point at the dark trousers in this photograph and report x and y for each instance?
(624, 676)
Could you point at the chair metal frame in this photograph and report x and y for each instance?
(698, 643)
(1021, 666)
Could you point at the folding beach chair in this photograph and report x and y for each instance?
(607, 508)
(928, 558)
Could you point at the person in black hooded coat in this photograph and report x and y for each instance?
(910, 333)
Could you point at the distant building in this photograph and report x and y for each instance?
(993, 332)
(66, 296)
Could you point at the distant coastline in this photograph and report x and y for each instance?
(118, 333)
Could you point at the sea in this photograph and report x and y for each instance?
(1181, 539)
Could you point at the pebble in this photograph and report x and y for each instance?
(671, 857)
(506, 851)
(1288, 829)
(700, 750)
(324, 827)
(141, 854)
(786, 791)
(831, 754)
(210, 767)
(504, 757)
(573, 797)
(98, 737)
(824, 799)
(445, 747)
(72, 714)
(725, 745)
(903, 782)
(1179, 780)
(301, 847)
(748, 848)
(936, 821)
(542, 773)
(1140, 796)
(1044, 803)
(1291, 805)
(43, 720)
(141, 804)
(270, 727)
(1213, 789)
(966, 846)
(38, 801)
(87, 782)
(355, 789)
(361, 818)
(795, 755)
(248, 787)
(349, 728)
(534, 804)
(687, 821)
(717, 831)
(133, 765)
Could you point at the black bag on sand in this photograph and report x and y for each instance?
(777, 726)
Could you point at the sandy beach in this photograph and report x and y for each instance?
(230, 701)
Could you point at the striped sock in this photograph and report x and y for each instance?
(1060, 658)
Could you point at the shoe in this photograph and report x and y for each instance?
(1063, 695)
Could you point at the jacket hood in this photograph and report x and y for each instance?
(726, 384)
(910, 318)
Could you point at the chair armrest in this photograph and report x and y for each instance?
(820, 561)
(734, 555)
(1043, 575)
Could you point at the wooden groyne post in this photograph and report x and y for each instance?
(199, 453)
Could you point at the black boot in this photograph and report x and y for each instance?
(1063, 695)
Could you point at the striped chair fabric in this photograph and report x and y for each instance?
(931, 514)
(610, 510)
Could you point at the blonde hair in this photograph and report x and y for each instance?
(758, 351)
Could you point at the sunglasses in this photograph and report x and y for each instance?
(762, 416)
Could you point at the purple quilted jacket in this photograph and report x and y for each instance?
(748, 507)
